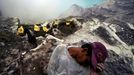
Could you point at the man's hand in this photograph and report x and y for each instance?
(99, 68)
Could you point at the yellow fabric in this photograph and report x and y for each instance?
(45, 29)
(20, 30)
(36, 28)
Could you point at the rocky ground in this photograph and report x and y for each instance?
(111, 23)
(120, 46)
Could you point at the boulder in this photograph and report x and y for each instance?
(105, 35)
(117, 64)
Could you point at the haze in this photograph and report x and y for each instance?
(36, 11)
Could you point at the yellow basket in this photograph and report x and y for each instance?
(36, 28)
(45, 29)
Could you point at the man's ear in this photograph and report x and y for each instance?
(100, 56)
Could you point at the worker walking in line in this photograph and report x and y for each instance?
(22, 31)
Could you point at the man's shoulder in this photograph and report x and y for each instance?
(61, 46)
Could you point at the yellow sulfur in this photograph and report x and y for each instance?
(36, 28)
(45, 29)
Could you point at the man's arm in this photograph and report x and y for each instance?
(100, 67)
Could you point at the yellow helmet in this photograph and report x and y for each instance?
(36, 27)
(21, 31)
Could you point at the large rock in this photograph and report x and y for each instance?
(124, 31)
(119, 65)
(105, 35)
(127, 36)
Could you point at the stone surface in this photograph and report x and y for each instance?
(105, 35)
(118, 65)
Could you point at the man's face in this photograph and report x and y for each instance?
(85, 60)
(82, 57)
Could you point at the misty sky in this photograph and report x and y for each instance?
(34, 11)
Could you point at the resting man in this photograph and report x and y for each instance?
(70, 60)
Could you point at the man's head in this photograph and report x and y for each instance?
(90, 54)
(97, 54)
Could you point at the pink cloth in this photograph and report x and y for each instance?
(98, 47)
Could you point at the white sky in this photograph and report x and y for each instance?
(33, 11)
